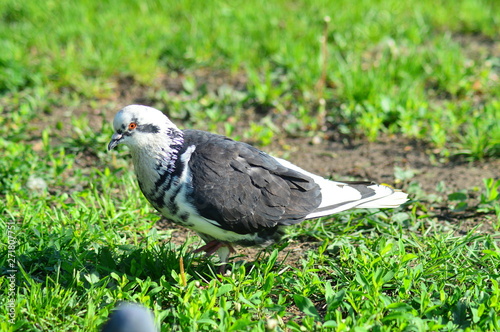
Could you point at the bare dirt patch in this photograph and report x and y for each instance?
(376, 161)
(336, 159)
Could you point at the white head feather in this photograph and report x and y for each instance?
(142, 127)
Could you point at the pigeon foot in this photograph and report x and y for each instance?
(211, 247)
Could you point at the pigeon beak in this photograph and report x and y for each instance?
(115, 140)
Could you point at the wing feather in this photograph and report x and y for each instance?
(244, 189)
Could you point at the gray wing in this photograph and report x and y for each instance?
(244, 189)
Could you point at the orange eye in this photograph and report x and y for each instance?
(132, 126)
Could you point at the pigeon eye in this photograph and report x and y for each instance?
(132, 126)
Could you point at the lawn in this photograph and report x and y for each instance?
(405, 93)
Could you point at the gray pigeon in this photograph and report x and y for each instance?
(130, 317)
(229, 192)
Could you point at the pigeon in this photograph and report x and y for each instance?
(227, 191)
(130, 317)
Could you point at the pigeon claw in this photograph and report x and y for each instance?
(211, 247)
(223, 249)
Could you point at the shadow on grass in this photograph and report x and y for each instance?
(68, 265)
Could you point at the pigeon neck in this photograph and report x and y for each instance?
(160, 154)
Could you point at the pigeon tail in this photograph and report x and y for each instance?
(392, 201)
(341, 196)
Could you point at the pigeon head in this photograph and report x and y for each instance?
(138, 126)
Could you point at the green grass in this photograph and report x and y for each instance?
(80, 235)
(391, 67)
(386, 271)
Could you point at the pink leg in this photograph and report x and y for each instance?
(211, 247)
